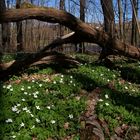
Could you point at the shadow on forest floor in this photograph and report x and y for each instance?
(130, 69)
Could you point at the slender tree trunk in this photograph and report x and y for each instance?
(125, 18)
(134, 23)
(61, 7)
(82, 17)
(120, 13)
(61, 28)
(19, 30)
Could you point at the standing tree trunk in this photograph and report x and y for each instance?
(5, 27)
(19, 30)
(61, 28)
(134, 22)
(109, 25)
(82, 17)
(109, 19)
(61, 7)
(120, 13)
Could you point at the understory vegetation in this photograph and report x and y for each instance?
(47, 101)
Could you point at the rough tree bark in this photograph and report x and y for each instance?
(83, 32)
(109, 25)
(134, 34)
(5, 27)
(61, 7)
(19, 30)
(120, 14)
(82, 17)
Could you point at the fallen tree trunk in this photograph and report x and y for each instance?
(83, 33)
(6, 70)
(51, 57)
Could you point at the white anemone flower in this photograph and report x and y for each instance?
(11, 89)
(71, 116)
(25, 93)
(126, 87)
(32, 115)
(18, 104)
(23, 99)
(33, 127)
(37, 92)
(37, 107)
(71, 77)
(114, 75)
(22, 89)
(133, 90)
(22, 124)
(14, 109)
(48, 107)
(25, 109)
(13, 136)
(106, 96)
(9, 86)
(61, 80)
(40, 85)
(18, 111)
(35, 96)
(9, 120)
(100, 100)
(107, 104)
(53, 121)
(29, 87)
(37, 120)
(28, 111)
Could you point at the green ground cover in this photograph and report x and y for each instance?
(45, 102)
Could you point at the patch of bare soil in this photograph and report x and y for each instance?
(91, 126)
(97, 129)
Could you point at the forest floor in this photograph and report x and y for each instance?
(87, 102)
